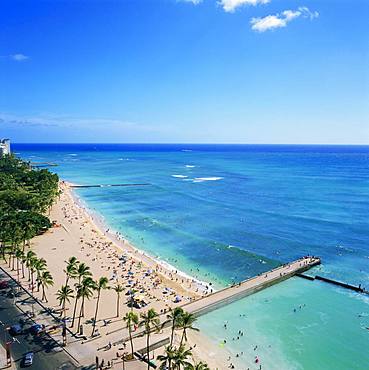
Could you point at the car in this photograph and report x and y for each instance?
(15, 329)
(28, 359)
(36, 329)
(4, 284)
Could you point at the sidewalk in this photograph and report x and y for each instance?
(3, 363)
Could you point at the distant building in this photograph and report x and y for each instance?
(4, 147)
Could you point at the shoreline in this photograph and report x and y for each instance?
(86, 231)
(124, 244)
(77, 232)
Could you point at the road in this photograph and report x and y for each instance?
(48, 355)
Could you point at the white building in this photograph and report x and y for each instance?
(4, 147)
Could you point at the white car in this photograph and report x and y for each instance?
(28, 359)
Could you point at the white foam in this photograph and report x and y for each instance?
(190, 166)
(202, 179)
(180, 176)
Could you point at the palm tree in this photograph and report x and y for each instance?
(64, 294)
(118, 288)
(83, 271)
(167, 358)
(186, 323)
(45, 280)
(18, 256)
(198, 366)
(29, 256)
(23, 260)
(71, 269)
(150, 320)
(40, 266)
(181, 356)
(175, 317)
(131, 318)
(85, 290)
(101, 284)
(32, 267)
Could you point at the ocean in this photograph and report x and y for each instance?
(223, 213)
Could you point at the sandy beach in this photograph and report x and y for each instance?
(79, 233)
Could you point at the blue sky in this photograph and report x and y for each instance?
(225, 71)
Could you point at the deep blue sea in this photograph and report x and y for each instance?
(223, 213)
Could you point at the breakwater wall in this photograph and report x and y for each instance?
(358, 289)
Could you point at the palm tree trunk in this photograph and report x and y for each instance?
(183, 336)
(75, 304)
(63, 309)
(43, 292)
(22, 269)
(10, 257)
(80, 315)
(95, 318)
(130, 337)
(38, 285)
(66, 280)
(148, 349)
(172, 335)
(74, 311)
(3, 252)
(18, 269)
(32, 281)
(13, 254)
(117, 305)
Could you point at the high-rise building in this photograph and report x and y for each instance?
(4, 147)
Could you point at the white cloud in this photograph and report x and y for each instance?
(279, 20)
(231, 5)
(195, 2)
(16, 57)
(19, 57)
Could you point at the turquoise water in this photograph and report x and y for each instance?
(224, 213)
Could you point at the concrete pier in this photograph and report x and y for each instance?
(233, 293)
(238, 291)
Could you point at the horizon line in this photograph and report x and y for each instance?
(184, 143)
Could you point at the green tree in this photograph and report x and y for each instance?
(45, 280)
(32, 266)
(101, 284)
(71, 269)
(40, 266)
(18, 256)
(119, 289)
(167, 358)
(181, 356)
(85, 290)
(29, 257)
(131, 318)
(64, 295)
(186, 323)
(175, 317)
(150, 320)
(198, 366)
(83, 271)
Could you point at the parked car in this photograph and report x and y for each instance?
(15, 329)
(28, 359)
(36, 329)
(4, 284)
